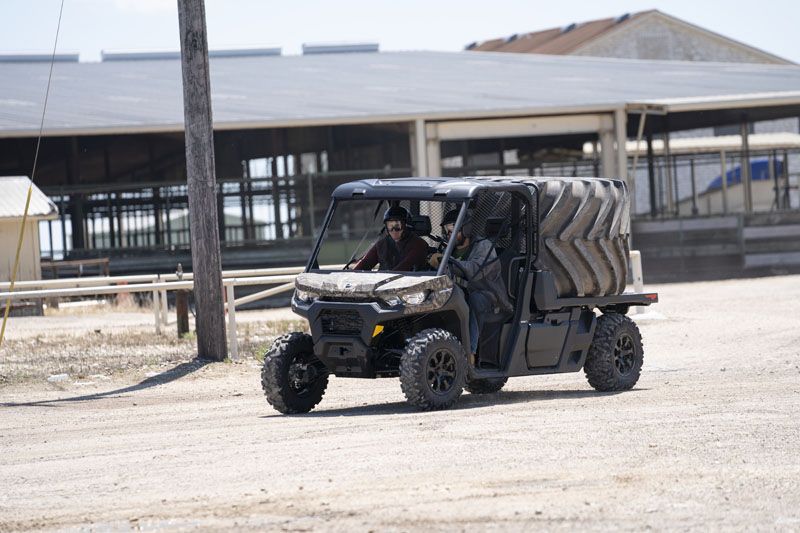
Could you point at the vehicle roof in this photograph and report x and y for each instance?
(417, 188)
(429, 188)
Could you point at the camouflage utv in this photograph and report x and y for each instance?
(561, 245)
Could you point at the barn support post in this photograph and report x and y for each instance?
(635, 165)
(724, 173)
(621, 134)
(651, 174)
(311, 208)
(671, 173)
(773, 177)
(417, 144)
(787, 186)
(76, 205)
(202, 183)
(747, 178)
(112, 236)
(244, 186)
(433, 151)
(695, 211)
(608, 161)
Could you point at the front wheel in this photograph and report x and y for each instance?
(614, 361)
(433, 369)
(293, 378)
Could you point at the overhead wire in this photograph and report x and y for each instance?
(32, 178)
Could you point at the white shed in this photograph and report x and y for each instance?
(13, 193)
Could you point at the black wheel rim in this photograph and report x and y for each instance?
(441, 372)
(624, 354)
(302, 376)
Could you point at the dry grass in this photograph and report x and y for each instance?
(110, 353)
(113, 305)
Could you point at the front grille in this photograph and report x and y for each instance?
(336, 322)
(349, 299)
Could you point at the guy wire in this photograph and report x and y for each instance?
(33, 176)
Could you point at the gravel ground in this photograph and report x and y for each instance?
(103, 342)
(108, 320)
(709, 439)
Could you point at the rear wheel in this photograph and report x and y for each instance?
(614, 361)
(485, 386)
(433, 369)
(293, 379)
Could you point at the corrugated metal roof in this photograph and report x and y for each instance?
(14, 192)
(248, 92)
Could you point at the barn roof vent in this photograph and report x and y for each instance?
(569, 28)
(144, 55)
(35, 57)
(246, 52)
(138, 55)
(343, 48)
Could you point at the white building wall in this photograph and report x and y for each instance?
(29, 260)
(658, 37)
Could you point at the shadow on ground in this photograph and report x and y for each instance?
(467, 401)
(177, 372)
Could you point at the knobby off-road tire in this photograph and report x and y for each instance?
(614, 361)
(293, 379)
(485, 386)
(584, 234)
(433, 369)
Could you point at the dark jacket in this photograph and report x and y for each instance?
(482, 271)
(409, 253)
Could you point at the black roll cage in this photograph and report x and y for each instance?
(374, 190)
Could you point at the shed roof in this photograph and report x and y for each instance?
(256, 92)
(573, 38)
(13, 194)
(560, 40)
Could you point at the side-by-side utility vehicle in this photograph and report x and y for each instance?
(561, 248)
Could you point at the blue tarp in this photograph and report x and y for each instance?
(759, 170)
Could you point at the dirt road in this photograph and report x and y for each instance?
(710, 439)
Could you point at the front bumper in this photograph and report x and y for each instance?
(349, 354)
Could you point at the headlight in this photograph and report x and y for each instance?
(414, 298)
(304, 296)
(392, 300)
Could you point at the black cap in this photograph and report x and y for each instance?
(396, 212)
(450, 217)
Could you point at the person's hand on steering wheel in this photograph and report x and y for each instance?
(456, 269)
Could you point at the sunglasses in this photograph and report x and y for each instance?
(395, 226)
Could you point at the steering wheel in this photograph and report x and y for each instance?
(456, 270)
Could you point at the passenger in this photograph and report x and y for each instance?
(400, 249)
(475, 260)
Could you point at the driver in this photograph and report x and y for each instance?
(476, 262)
(400, 249)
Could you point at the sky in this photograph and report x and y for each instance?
(89, 26)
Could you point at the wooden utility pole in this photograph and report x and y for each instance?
(202, 182)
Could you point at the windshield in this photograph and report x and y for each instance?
(384, 234)
(412, 235)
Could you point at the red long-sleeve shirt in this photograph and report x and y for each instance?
(411, 252)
